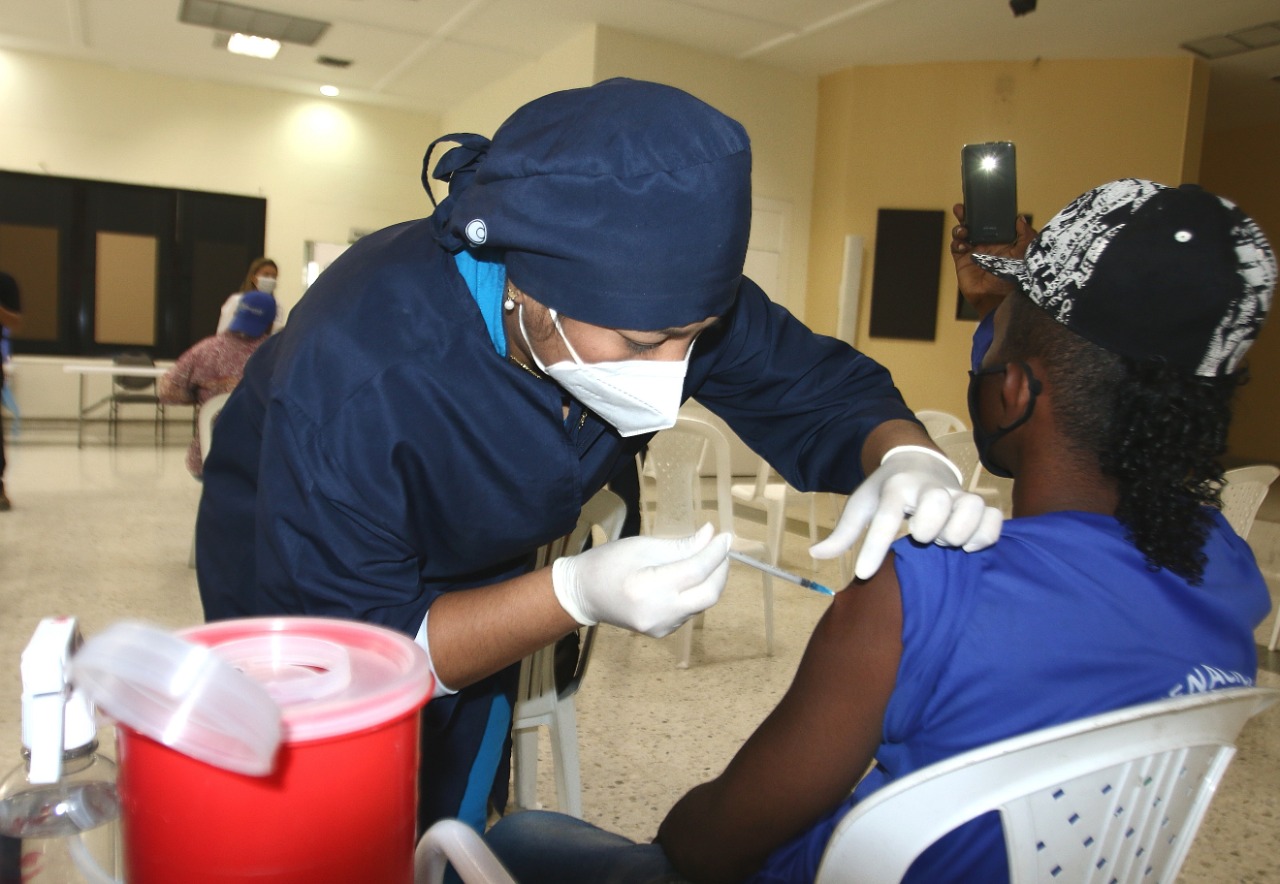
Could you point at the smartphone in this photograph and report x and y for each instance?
(989, 176)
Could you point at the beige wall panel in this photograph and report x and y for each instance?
(30, 255)
(125, 289)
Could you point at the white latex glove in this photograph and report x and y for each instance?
(645, 584)
(916, 482)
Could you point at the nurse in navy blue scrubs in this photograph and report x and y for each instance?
(450, 391)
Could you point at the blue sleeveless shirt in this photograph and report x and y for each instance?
(1059, 620)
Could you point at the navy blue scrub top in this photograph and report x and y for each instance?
(379, 452)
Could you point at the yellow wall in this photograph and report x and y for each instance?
(1240, 164)
(890, 137)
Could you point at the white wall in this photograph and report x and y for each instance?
(323, 166)
(569, 66)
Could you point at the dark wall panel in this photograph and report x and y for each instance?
(908, 261)
(204, 243)
(218, 237)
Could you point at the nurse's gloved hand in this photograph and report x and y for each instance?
(645, 584)
(916, 482)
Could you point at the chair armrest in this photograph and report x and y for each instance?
(450, 841)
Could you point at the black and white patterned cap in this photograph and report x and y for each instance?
(1174, 274)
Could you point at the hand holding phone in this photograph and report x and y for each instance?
(990, 178)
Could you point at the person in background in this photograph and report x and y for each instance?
(450, 391)
(215, 364)
(1102, 381)
(10, 321)
(262, 276)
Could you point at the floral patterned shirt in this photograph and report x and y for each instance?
(212, 366)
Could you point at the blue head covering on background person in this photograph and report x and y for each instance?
(625, 204)
(254, 315)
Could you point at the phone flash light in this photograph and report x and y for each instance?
(989, 163)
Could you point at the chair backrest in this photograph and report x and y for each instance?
(1116, 797)
(938, 423)
(765, 473)
(675, 455)
(209, 411)
(133, 358)
(605, 511)
(1243, 490)
(962, 451)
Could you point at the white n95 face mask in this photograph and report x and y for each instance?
(265, 284)
(635, 395)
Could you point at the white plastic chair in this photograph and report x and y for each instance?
(1243, 491)
(773, 496)
(938, 423)
(961, 450)
(674, 455)
(209, 412)
(450, 841)
(1116, 797)
(538, 702)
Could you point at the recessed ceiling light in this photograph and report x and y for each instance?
(330, 91)
(257, 47)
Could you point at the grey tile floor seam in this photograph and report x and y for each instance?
(104, 533)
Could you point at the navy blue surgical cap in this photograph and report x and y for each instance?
(626, 204)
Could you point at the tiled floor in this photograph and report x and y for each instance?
(104, 533)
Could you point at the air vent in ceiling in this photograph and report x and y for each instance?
(330, 61)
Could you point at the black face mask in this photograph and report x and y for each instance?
(986, 441)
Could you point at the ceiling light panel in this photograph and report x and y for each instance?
(248, 20)
(1260, 37)
(256, 47)
(1244, 40)
(1215, 47)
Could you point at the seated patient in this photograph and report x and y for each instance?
(215, 364)
(1106, 393)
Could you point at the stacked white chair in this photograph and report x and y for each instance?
(938, 423)
(539, 702)
(675, 456)
(1243, 491)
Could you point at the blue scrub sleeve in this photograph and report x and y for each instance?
(806, 402)
(319, 530)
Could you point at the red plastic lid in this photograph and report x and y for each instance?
(329, 677)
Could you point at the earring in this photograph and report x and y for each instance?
(508, 303)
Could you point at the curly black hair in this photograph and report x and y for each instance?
(1159, 433)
